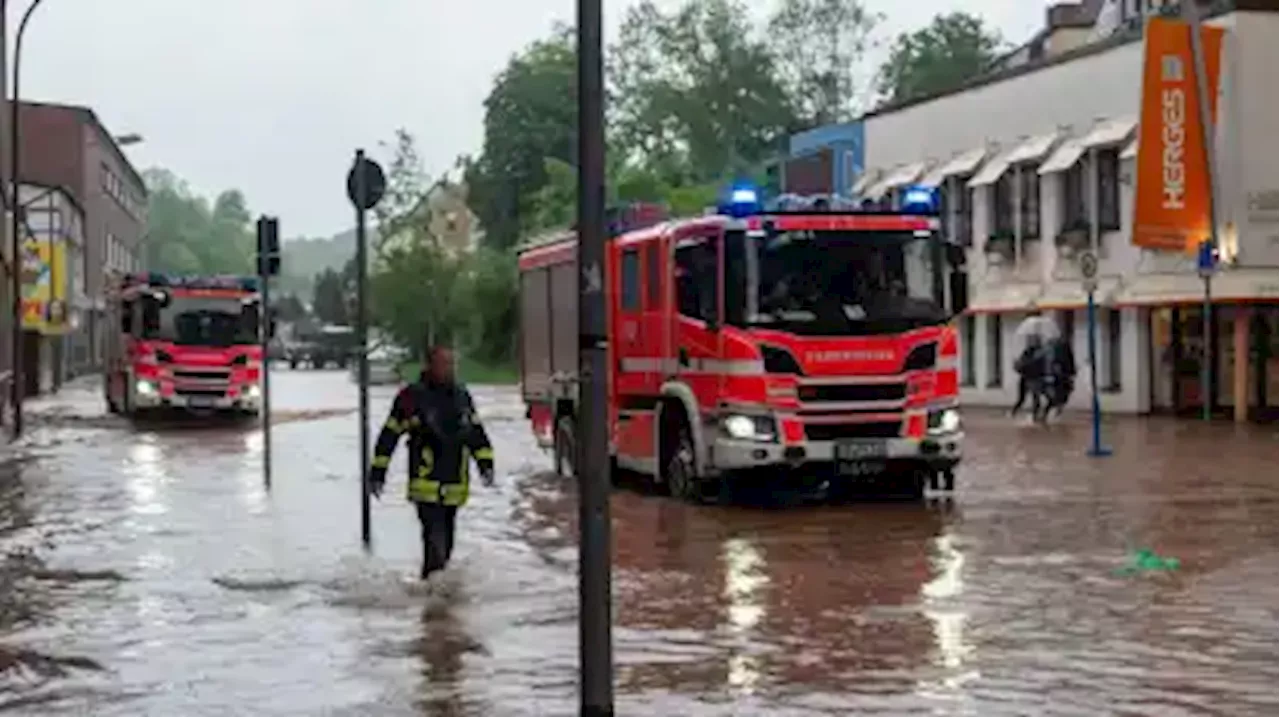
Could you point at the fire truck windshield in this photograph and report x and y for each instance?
(200, 320)
(832, 283)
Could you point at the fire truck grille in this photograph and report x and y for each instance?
(832, 432)
(202, 375)
(853, 392)
(203, 392)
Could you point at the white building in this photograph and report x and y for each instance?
(1018, 155)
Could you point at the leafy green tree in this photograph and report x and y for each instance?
(185, 234)
(289, 308)
(329, 302)
(949, 51)
(697, 87)
(819, 47)
(530, 114)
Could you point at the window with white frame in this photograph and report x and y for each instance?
(1112, 323)
(1003, 209)
(963, 200)
(1075, 198)
(968, 351)
(1108, 189)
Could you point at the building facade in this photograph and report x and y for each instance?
(1035, 164)
(68, 147)
(55, 300)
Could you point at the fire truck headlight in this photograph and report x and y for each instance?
(147, 388)
(749, 428)
(252, 392)
(944, 421)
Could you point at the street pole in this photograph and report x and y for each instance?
(362, 340)
(1096, 449)
(595, 610)
(15, 218)
(1191, 14)
(266, 379)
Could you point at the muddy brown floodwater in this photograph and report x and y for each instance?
(149, 572)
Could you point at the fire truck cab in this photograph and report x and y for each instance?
(182, 342)
(804, 338)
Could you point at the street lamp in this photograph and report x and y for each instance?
(17, 388)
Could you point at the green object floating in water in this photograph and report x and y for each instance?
(1146, 560)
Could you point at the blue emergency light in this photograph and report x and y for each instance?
(919, 200)
(742, 201)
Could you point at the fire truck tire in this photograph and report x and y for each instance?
(680, 467)
(565, 447)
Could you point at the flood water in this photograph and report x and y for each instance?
(149, 572)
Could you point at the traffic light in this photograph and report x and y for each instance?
(268, 246)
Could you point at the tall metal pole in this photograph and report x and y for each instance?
(362, 340)
(1191, 14)
(1095, 449)
(595, 610)
(265, 278)
(15, 218)
(5, 117)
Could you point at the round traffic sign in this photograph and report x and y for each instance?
(1088, 265)
(373, 180)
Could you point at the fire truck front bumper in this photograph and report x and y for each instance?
(938, 450)
(148, 395)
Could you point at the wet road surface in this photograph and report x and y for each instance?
(149, 573)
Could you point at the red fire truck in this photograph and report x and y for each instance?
(801, 337)
(183, 342)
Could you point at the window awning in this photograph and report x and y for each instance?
(1131, 151)
(900, 176)
(1064, 158)
(991, 171)
(1188, 288)
(1033, 149)
(868, 178)
(1110, 132)
(960, 165)
(1004, 297)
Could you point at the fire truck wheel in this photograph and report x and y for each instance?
(681, 471)
(565, 449)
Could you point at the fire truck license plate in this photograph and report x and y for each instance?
(200, 401)
(860, 450)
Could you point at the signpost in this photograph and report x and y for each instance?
(1089, 270)
(1206, 261)
(595, 637)
(268, 266)
(366, 183)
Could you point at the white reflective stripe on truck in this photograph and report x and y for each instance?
(718, 367)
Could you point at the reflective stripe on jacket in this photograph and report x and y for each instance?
(444, 436)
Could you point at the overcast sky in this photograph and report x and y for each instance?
(273, 96)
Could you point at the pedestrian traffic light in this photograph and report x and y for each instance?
(268, 246)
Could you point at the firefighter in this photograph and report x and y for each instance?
(444, 435)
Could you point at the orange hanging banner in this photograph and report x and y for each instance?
(1171, 192)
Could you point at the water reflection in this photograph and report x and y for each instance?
(443, 647)
(146, 476)
(253, 491)
(940, 598)
(745, 580)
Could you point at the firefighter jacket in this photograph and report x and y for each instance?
(444, 435)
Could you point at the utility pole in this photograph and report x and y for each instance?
(1207, 255)
(268, 266)
(366, 184)
(595, 608)
(10, 311)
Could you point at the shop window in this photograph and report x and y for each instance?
(1029, 201)
(968, 351)
(995, 351)
(631, 280)
(1114, 344)
(1108, 189)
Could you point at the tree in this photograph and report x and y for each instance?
(289, 308)
(943, 55)
(530, 114)
(403, 203)
(696, 89)
(329, 302)
(819, 46)
(186, 235)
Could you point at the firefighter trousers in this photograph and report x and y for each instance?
(438, 523)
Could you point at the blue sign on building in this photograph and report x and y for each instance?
(827, 159)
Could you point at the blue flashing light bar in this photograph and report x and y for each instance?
(919, 200)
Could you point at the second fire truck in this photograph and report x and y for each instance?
(183, 342)
(800, 337)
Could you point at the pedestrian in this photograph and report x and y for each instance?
(439, 417)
